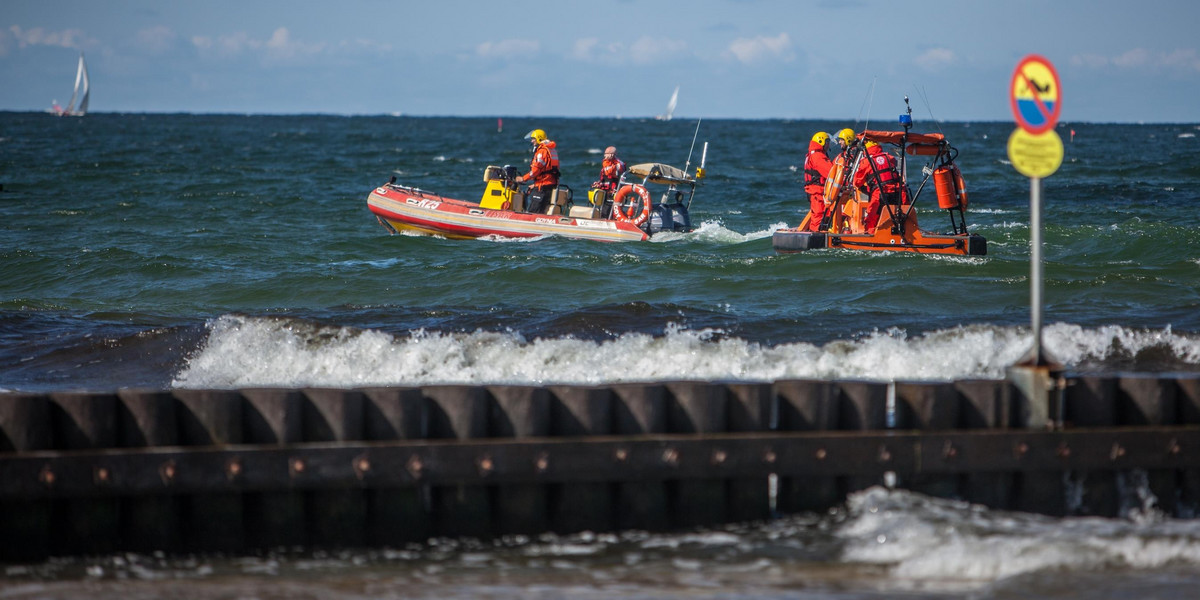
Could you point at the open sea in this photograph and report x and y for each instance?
(221, 251)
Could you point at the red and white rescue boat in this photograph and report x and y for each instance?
(629, 217)
(401, 208)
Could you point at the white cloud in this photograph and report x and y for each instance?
(647, 50)
(1093, 61)
(762, 48)
(584, 48)
(157, 39)
(282, 46)
(1186, 59)
(67, 38)
(644, 51)
(225, 46)
(935, 58)
(508, 49)
(279, 47)
(1137, 57)
(1141, 58)
(368, 45)
(593, 51)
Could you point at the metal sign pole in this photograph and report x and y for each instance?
(1035, 267)
(1036, 151)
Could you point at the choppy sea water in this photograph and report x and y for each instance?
(220, 251)
(160, 251)
(881, 544)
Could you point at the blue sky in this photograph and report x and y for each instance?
(1118, 61)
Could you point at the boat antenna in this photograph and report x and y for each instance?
(867, 103)
(688, 163)
(928, 107)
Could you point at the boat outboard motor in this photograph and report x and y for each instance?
(670, 214)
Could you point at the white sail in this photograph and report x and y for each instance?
(670, 106)
(82, 74)
(80, 93)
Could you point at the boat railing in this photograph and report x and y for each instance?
(408, 190)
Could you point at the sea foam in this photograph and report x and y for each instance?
(242, 351)
(919, 538)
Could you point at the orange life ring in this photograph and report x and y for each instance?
(961, 185)
(624, 215)
(833, 182)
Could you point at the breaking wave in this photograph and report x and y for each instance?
(242, 351)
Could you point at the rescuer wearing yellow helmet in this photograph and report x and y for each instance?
(816, 169)
(845, 139)
(543, 170)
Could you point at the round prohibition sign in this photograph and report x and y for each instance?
(1035, 94)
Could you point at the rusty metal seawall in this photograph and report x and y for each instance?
(239, 470)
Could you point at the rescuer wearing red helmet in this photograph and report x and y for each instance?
(879, 177)
(816, 169)
(543, 170)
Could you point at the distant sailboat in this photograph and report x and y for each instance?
(670, 106)
(82, 90)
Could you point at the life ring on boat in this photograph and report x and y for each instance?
(833, 181)
(625, 213)
(962, 186)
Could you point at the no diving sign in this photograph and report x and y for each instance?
(1036, 100)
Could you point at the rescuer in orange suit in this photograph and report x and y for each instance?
(879, 177)
(543, 170)
(816, 169)
(610, 171)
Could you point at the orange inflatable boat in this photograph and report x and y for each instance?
(897, 230)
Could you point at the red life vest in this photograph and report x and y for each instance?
(610, 173)
(811, 175)
(884, 176)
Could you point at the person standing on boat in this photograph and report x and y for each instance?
(878, 176)
(845, 139)
(816, 169)
(543, 170)
(611, 171)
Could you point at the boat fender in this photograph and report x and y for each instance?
(625, 212)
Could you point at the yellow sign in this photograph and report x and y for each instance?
(1035, 155)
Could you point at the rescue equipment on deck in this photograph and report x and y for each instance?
(951, 191)
(845, 224)
(624, 211)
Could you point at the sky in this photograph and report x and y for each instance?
(1117, 60)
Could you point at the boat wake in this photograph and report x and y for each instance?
(715, 232)
(246, 351)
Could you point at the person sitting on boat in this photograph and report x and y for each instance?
(543, 170)
(816, 169)
(879, 177)
(611, 170)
